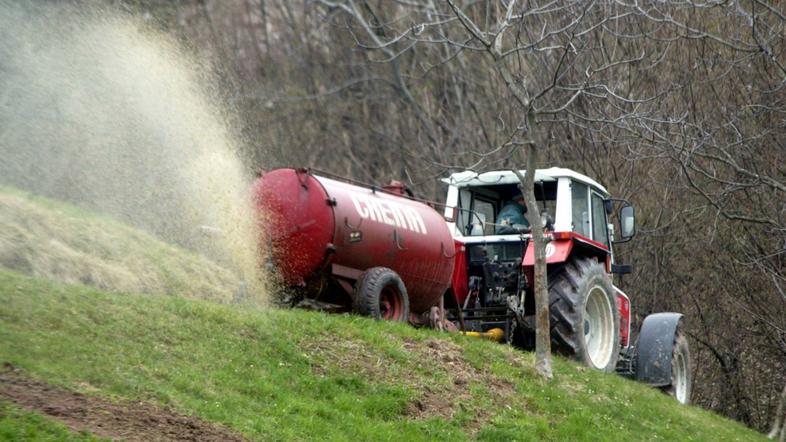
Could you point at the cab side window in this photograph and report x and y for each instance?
(485, 211)
(464, 216)
(581, 213)
(599, 224)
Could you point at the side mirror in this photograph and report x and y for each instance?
(627, 223)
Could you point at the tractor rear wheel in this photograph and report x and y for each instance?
(380, 293)
(680, 387)
(585, 320)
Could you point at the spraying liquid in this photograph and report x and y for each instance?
(97, 110)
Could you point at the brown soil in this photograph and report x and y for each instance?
(132, 421)
(444, 400)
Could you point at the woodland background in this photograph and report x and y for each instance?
(677, 106)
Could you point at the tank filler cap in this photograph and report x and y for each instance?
(395, 187)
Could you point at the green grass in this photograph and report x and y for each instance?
(59, 241)
(294, 375)
(18, 425)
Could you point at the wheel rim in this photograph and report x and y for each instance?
(680, 381)
(598, 327)
(390, 304)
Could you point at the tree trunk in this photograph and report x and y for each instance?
(540, 284)
(779, 425)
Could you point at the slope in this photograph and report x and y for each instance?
(293, 375)
(58, 241)
(89, 349)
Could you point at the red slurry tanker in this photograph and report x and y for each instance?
(378, 251)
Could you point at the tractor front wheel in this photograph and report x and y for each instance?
(380, 293)
(585, 320)
(681, 383)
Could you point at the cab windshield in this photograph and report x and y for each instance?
(479, 206)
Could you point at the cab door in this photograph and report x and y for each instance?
(599, 224)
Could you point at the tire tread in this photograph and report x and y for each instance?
(565, 307)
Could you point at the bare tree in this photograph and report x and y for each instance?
(779, 422)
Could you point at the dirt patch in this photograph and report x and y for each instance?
(132, 421)
(348, 356)
(443, 400)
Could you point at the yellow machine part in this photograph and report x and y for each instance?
(494, 334)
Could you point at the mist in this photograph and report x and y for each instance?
(101, 110)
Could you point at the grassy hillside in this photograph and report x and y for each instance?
(82, 351)
(293, 375)
(58, 241)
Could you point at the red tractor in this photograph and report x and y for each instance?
(378, 251)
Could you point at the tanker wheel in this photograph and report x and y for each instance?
(681, 382)
(585, 320)
(380, 293)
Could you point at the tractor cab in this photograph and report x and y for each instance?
(496, 257)
(569, 201)
(575, 211)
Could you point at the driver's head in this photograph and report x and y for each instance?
(518, 198)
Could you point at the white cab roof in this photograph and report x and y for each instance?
(469, 178)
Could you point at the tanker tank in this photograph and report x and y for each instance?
(383, 254)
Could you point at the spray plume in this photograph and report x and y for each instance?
(101, 111)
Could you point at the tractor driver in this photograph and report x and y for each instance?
(512, 218)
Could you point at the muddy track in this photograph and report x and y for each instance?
(132, 421)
